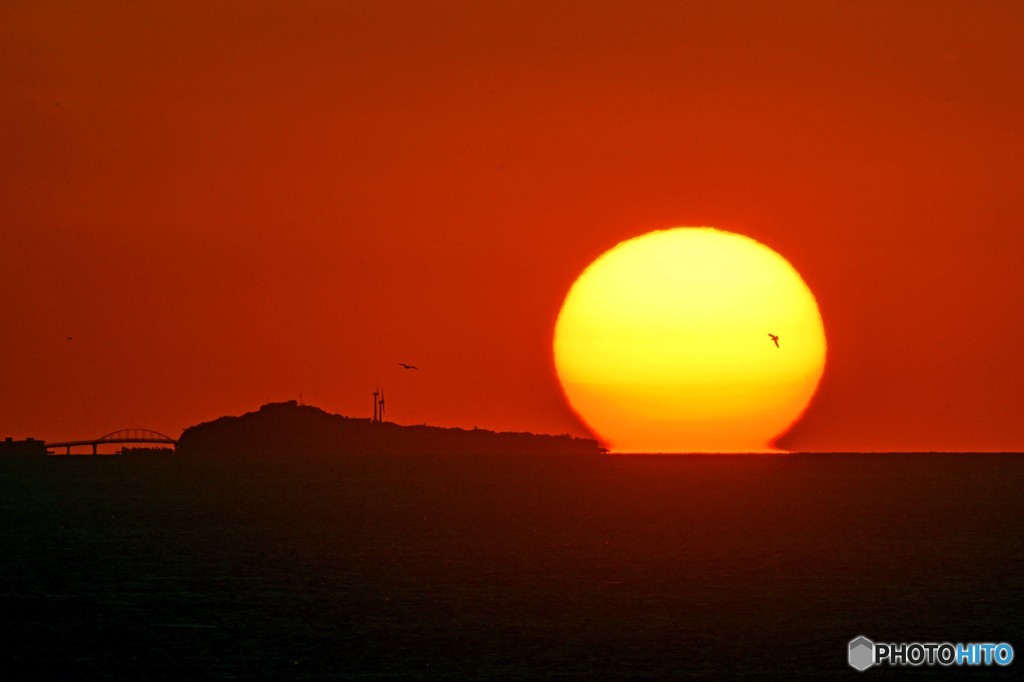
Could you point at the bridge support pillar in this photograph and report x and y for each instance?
(94, 448)
(67, 450)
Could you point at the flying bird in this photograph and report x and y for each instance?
(405, 366)
(70, 338)
(774, 338)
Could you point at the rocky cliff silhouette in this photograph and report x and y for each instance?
(292, 429)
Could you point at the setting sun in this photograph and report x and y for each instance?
(689, 340)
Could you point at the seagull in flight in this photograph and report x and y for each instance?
(405, 366)
(774, 339)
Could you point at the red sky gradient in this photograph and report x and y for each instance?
(225, 203)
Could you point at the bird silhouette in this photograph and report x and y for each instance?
(405, 366)
(70, 338)
(774, 338)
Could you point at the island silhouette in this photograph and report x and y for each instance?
(288, 428)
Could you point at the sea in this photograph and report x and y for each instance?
(462, 567)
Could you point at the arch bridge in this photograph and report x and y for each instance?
(122, 436)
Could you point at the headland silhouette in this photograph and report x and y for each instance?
(290, 428)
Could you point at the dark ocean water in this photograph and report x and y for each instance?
(666, 567)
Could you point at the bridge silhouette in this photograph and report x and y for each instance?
(122, 436)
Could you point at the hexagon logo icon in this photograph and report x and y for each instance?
(861, 653)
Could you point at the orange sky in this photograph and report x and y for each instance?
(225, 203)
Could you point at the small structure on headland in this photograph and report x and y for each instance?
(378, 405)
(30, 447)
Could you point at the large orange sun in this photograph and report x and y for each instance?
(664, 344)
